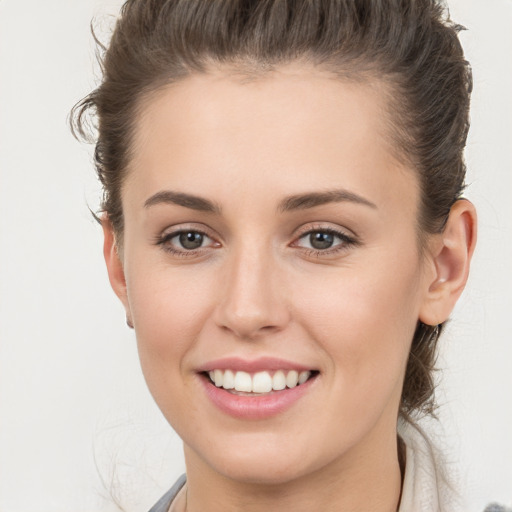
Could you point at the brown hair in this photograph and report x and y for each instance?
(408, 44)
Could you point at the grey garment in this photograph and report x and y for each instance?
(163, 504)
(495, 507)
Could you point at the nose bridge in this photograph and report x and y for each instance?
(253, 302)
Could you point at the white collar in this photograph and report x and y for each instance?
(426, 487)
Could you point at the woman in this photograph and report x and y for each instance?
(284, 226)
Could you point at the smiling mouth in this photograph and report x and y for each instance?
(259, 383)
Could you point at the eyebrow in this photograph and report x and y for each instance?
(291, 203)
(312, 199)
(181, 199)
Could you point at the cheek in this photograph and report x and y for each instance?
(169, 308)
(364, 322)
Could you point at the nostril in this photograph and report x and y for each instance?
(251, 302)
(249, 328)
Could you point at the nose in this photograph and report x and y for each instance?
(253, 302)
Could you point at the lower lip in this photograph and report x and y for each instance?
(255, 407)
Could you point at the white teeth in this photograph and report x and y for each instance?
(304, 376)
(260, 382)
(292, 379)
(278, 381)
(218, 376)
(229, 380)
(243, 382)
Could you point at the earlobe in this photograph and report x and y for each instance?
(115, 266)
(451, 257)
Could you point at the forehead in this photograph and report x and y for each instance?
(293, 128)
(286, 99)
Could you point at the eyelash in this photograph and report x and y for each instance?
(346, 241)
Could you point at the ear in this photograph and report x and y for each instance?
(115, 266)
(451, 255)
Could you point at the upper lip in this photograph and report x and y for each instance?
(252, 365)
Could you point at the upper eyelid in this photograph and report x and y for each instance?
(313, 227)
(181, 228)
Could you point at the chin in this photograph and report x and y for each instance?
(262, 472)
(270, 461)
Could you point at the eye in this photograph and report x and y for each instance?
(190, 240)
(185, 241)
(324, 241)
(321, 240)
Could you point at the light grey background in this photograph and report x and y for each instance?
(78, 429)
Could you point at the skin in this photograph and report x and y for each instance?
(255, 288)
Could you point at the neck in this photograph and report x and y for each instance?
(368, 478)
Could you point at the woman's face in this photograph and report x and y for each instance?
(269, 230)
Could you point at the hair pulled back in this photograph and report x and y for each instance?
(410, 45)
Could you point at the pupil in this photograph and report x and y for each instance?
(191, 240)
(321, 240)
